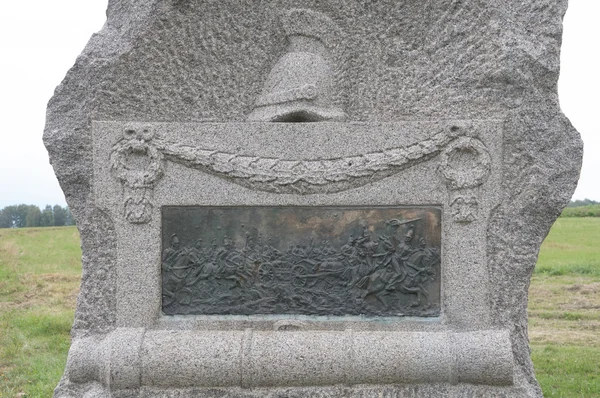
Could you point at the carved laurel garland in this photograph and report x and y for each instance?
(137, 161)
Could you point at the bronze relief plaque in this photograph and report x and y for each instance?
(335, 261)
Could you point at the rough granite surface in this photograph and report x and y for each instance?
(199, 61)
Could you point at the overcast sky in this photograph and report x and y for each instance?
(40, 40)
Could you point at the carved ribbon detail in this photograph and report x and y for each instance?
(137, 161)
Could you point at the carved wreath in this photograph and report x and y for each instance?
(476, 163)
(137, 146)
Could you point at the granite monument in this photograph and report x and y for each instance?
(311, 198)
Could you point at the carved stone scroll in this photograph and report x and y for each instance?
(255, 359)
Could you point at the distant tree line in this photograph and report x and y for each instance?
(19, 216)
(582, 211)
(581, 203)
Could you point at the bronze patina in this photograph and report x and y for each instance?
(375, 261)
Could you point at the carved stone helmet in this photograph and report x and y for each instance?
(300, 86)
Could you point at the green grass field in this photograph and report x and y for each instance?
(39, 282)
(40, 270)
(564, 310)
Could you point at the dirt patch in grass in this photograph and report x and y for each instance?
(60, 278)
(564, 310)
(557, 245)
(548, 334)
(592, 288)
(25, 291)
(574, 295)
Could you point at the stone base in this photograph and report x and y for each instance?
(140, 362)
(391, 391)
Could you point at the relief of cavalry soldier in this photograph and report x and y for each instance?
(231, 265)
(401, 267)
(419, 270)
(176, 268)
(204, 268)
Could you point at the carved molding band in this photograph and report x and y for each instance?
(137, 161)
